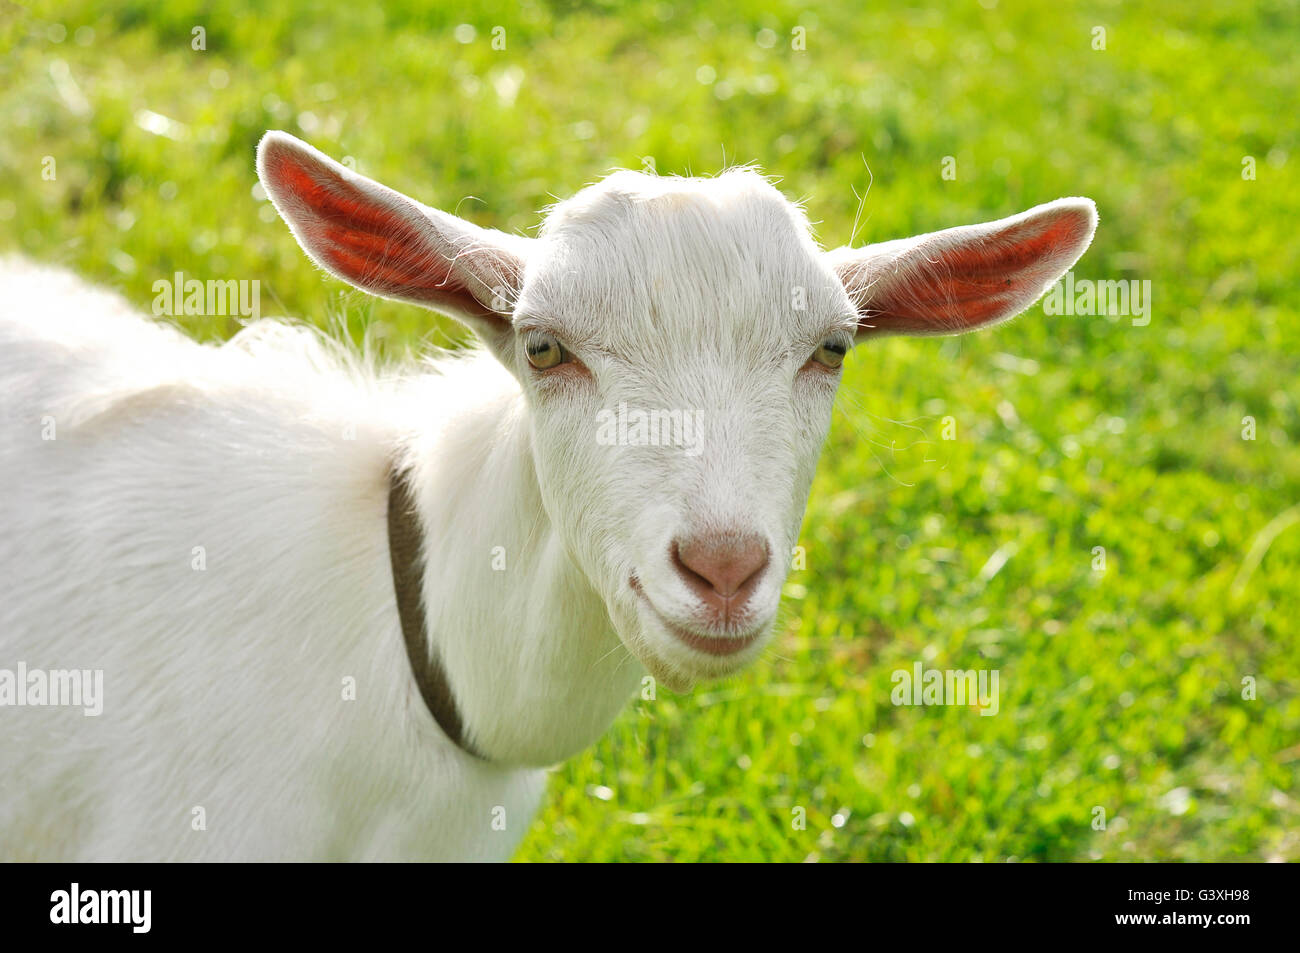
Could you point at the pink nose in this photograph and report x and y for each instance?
(721, 570)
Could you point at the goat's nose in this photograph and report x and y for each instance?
(721, 570)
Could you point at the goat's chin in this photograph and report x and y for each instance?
(674, 664)
(666, 674)
(632, 633)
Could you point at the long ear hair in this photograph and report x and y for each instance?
(389, 245)
(964, 278)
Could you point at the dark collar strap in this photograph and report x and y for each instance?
(406, 548)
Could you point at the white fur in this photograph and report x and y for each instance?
(224, 686)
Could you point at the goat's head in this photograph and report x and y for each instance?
(679, 344)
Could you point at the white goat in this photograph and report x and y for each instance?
(240, 536)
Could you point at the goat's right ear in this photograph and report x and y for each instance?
(965, 278)
(390, 245)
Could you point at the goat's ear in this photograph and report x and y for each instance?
(390, 245)
(964, 278)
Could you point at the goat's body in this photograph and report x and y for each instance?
(207, 525)
(208, 528)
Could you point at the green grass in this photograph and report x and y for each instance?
(1117, 688)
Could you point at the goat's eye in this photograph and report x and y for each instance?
(544, 351)
(831, 352)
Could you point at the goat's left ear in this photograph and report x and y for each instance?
(393, 246)
(964, 278)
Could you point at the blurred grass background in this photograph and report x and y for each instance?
(1120, 690)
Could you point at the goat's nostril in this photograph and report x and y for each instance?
(721, 565)
(695, 579)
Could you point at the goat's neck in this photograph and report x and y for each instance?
(532, 658)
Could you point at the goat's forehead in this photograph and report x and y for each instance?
(639, 255)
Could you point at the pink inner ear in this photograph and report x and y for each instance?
(966, 278)
(372, 242)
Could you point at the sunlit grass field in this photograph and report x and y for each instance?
(1158, 694)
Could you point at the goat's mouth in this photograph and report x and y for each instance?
(718, 646)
